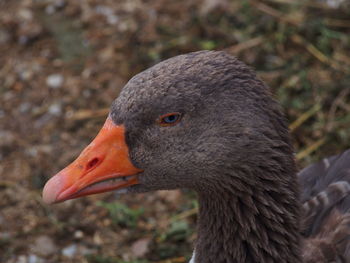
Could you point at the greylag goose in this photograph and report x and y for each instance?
(205, 122)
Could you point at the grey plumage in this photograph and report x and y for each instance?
(316, 208)
(232, 147)
(326, 202)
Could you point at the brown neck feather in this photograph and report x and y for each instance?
(240, 223)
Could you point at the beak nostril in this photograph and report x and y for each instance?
(92, 163)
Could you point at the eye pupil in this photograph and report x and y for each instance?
(169, 119)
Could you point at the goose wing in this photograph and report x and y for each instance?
(325, 196)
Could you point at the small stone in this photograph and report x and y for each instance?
(334, 3)
(70, 251)
(25, 14)
(140, 247)
(34, 259)
(76, 250)
(24, 107)
(97, 239)
(59, 3)
(106, 11)
(6, 138)
(78, 234)
(21, 259)
(32, 152)
(112, 19)
(50, 9)
(86, 93)
(26, 75)
(209, 5)
(44, 246)
(54, 81)
(55, 109)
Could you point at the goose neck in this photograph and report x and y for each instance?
(253, 224)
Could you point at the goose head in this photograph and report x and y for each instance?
(201, 121)
(196, 121)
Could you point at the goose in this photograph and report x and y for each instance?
(204, 121)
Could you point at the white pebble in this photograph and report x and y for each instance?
(25, 14)
(78, 234)
(69, 251)
(334, 3)
(21, 259)
(55, 109)
(54, 81)
(34, 259)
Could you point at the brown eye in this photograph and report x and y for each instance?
(170, 119)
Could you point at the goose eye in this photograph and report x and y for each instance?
(169, 119)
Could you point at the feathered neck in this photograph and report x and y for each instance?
(239, 222)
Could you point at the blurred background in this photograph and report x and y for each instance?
(63, 62)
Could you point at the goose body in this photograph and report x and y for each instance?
(326, 209)
(205, 122)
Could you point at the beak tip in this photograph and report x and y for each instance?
(52, 189)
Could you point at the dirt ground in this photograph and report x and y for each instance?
(63, 62)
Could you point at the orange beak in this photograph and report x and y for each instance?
(103, 166)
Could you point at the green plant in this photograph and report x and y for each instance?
(122, 214)
(179, 230)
